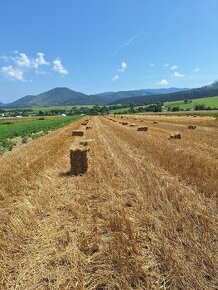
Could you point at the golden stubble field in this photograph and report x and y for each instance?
(143, 217)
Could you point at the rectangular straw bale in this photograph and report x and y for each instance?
(175, 135)
(191, 126)
(124, 123)
(78, 160)
(77, 133)
(142, 129)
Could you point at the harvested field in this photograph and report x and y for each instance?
(144, 216)
(86, 142)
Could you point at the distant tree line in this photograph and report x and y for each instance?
(102, 110)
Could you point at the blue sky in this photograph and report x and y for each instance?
(94, 46)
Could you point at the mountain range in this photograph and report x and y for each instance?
(64, 96)
(203, 92)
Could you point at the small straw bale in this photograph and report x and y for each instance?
(155, 122)
(77, 133)
(86, 142)
(88, 127)
(79, 160)
(142, 129)
(84, 123)
(2, 197)
(175, 135)
(121, 117)
(132, 125)
(124, 123)
(191, 126)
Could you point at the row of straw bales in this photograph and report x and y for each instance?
(79, 152)
(190, 126)
(173, 135)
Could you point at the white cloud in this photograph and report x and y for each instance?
(40, 60)
(152, 64)
(131, 40)
(174, 67)
(196, 69)
(115, 78)
(127, 43)
(13, 73)
(123, 67)
(178, 74)
(58, 66)
(23, 61)
(167, 64)
(163, 82)
(20, 64)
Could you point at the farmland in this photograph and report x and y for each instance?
(24, 128)
(48, 109)
(211, 102)
(144, 216)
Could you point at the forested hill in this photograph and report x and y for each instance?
(206, 91)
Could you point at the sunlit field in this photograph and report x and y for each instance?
(144, 216)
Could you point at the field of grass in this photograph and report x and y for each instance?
(48, 109)
(122, 110)
(28, 127)
(211, 102)
(203, 113)
(144, 216)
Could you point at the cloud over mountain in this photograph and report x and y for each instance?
(19, 65)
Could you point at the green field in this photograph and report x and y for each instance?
(211, 102)
(48, 109)
(28, 128)
(123, 110)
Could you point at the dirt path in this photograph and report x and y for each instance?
(132, 222)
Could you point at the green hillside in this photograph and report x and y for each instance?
(211, 102)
